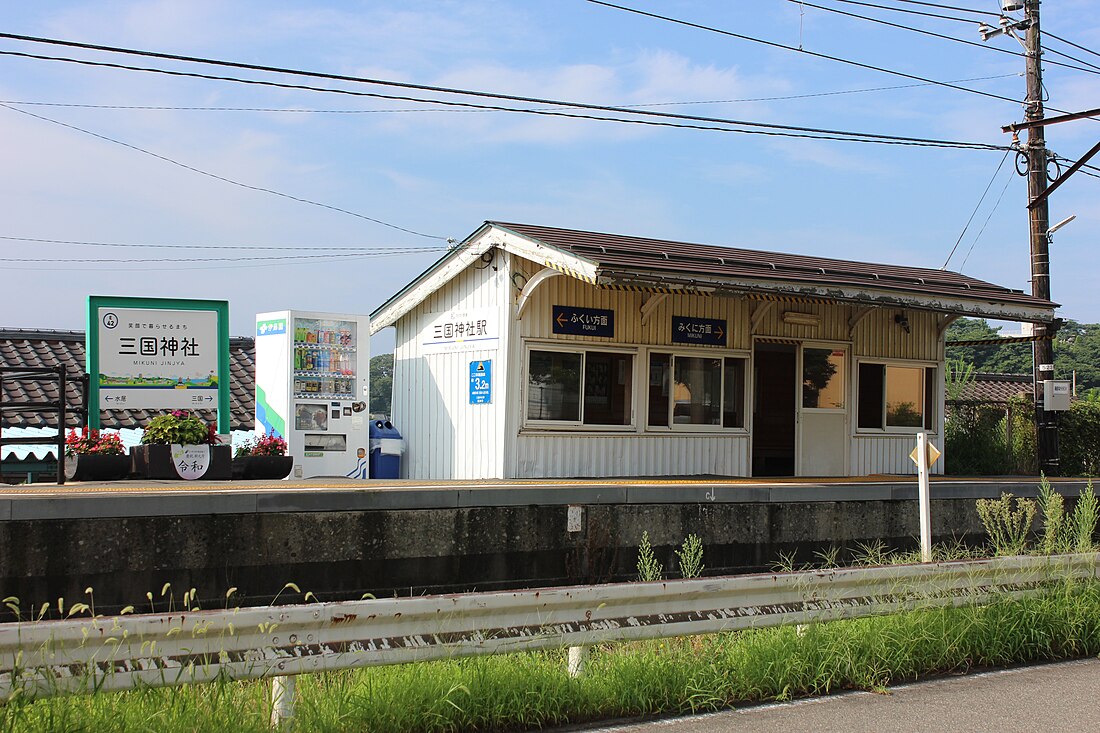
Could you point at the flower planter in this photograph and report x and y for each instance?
(178, 462)
(251, 468)
(97, 467)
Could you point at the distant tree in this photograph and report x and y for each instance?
(381, 383)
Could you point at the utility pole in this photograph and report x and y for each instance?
(1039, 216)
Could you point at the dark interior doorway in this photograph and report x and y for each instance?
(773, 423)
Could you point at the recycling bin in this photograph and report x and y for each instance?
(386, 448)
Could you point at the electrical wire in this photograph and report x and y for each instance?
(217, 177)
(770, 129)
(407, 85)
(176, 267)
(986, 222)
(82, 243)
(197, 259)
(987, 13)
(775, 44)
(1071, 43)
(161, 108)
(975, 212)
(907, 11)
(1048, 49)
(942, 36)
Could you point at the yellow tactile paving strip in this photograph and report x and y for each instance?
(187, 487)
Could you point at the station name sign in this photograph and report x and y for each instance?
(575, 321)
(698, 331)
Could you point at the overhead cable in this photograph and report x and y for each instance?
(217, 177)
(973, 213)
(768, 128)
(265, 248)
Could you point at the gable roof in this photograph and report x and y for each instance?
(35, 348)
(615, 261)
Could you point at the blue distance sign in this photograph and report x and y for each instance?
(576, 321)
(481, 382)
(700, 331)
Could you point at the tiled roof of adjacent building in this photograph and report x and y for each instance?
(34, 348)
(995, 388)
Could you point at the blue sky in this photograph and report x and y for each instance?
(443, 172)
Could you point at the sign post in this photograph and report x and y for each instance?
(157, 353)
(925, 456)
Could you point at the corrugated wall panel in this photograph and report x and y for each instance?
(571, 456)
(833, 327)
(878, 335)
(446, 437)
(888, 454)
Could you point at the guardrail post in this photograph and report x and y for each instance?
(577, 656)
(283, 693)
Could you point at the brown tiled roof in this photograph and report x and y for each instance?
(995, 388)
(611, 252)
(24, 348)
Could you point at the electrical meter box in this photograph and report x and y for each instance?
(1056, 394)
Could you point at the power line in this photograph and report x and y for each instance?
(775, 44)
(933, 34)
(82, 243)
(769, 129)
(197, 259)
(412, 86)
(981, 231)
(218, 177)
(974, 213)
(1071, 43)
(987, 13)
(909, 12)
(1048, 49)
(175, 266)
(310, 110)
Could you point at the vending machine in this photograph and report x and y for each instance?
(312, 388)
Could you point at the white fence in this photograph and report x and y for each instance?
(164, 649)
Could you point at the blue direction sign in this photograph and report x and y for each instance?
(704, 331)
(481, 382)
(576, 321)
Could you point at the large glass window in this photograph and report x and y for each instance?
(557, 379)
(892, 396)
(823, 378)
(696, 391)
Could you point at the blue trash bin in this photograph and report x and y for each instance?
(386, 448)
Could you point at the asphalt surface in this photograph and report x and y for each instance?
(1052, 697)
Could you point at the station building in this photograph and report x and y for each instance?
(540, 352)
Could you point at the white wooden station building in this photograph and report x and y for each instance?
(538, 352)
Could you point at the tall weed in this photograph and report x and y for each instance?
(648, 567)
(1084, 519)
(1007, 526)
(1053, 508)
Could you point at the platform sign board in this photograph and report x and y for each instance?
(481, 382)
(476, 329)
(576, 321)
(158, 354)
(698, 331)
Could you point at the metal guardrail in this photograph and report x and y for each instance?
(166, 649)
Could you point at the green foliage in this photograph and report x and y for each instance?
(690, 557)
(1007, 525)
(1083, 521)
(974, 441)
(532, 690)
(648, 567)
(1023, 447)
(178, 427)
(381, 383)
(959, 375)
(1079, 439)
(1053, 508)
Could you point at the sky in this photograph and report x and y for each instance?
(440, 172)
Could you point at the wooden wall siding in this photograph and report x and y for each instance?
(879, 336)
(834, 322)
(888, 454)
(570, 456)
(446, 437)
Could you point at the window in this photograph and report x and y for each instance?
(892, 396)
(823, 378)
(695, 391)
(557, 379)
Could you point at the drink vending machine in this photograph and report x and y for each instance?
(312, 388)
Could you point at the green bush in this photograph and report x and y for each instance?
(1023, 447)
(1079, 439)
(974, 441)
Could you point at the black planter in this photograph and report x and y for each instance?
(155, 462)
(96, 467)
(253, 468)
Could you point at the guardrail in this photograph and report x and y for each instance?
(166, 649)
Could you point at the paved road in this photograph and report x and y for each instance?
(1054, 697)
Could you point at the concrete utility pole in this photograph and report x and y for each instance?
(1039, 215)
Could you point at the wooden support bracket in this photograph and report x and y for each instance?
(536, 280)
(651, 304)
(943, 323)
(858, 315)
(762, 308)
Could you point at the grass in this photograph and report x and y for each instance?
(527, 691)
